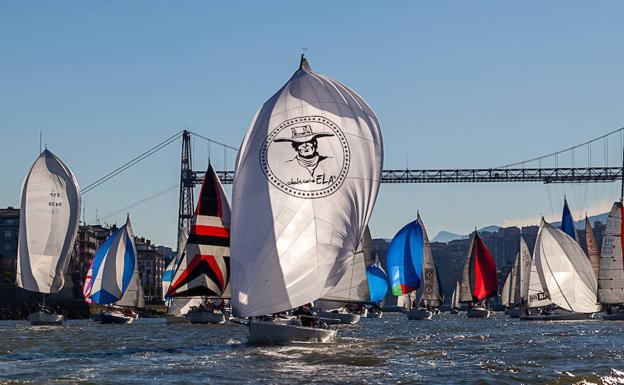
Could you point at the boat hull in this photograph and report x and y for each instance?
(206, 317)
(454, 311)
(44, 318)
(374, 314)
(614, 317)
(342, 318)
(478, 312)
(115, 317)
(284, 331)
(515, 312)
(419, 314)
(557, 317)
(174, 319)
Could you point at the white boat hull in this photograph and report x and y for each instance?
(206, 317)
(283, 331)
(342, 318)
(419, 314)
(478, 312)
(44, 318)
(117, 317)
(174, 319)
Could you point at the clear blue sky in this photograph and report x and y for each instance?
(454, 84)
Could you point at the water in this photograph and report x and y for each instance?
(450, 349)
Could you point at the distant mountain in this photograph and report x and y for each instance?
(447, 236)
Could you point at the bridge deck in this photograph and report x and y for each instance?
(486, 175)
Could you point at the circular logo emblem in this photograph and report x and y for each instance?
(306, 157)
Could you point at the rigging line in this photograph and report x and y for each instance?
(564, 150)
(140, 202)
(131, 163)
(215, 141)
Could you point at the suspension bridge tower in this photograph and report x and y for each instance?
(186, 185)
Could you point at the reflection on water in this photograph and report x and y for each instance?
(449, 349)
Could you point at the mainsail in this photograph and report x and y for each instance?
(480, 280)
(204, 267)
(377, 282)
(536, 294)
(353, 286)
(431, 293)
(592, 248)
(49, 221)
(307, 176)
(404, 259)
(115, 267)
(565, 272)
(172, 266)
(507, 288)
(611, 274)
(524, 274)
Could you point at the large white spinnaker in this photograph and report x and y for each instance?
(565, 271)
(49, 219)
(611, 273)
(307, 176)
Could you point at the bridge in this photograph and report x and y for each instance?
(530, 170)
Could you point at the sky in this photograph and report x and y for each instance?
(453, 84)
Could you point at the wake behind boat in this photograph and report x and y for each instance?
(306, 179)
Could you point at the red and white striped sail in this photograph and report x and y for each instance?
(204, 269)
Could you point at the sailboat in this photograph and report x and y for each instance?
(565, 274)
(611, 273)
(431, 297)
(378, 287)
(49, 220)
(204, 267)
(520, 282)
(479, 280)
(115, 277)
(455, 304)
(593, 253)
(404, 261)
(177, 307)
(352, 290)
(306, 179)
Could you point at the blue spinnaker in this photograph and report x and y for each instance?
(567, 222)
(404, 259)
(377, 282)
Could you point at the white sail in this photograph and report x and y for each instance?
(455, 298)
(431, 293)
(524, 273)
(611, 273)
(307, 177)
(134, 295)
(565, 270)
(49, 219)
(172, 266)
(536, 294)
(507, 288)
(353, 286)
(465, 294)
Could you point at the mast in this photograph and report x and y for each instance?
(185, 211)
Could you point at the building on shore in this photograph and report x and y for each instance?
(151, 267)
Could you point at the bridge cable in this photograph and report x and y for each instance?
(131, 163)
(140, 202)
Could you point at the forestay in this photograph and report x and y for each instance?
(611, 274)
(49, 219)
(307, 176)
(565, 271)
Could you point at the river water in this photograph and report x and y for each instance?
(448, 350)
